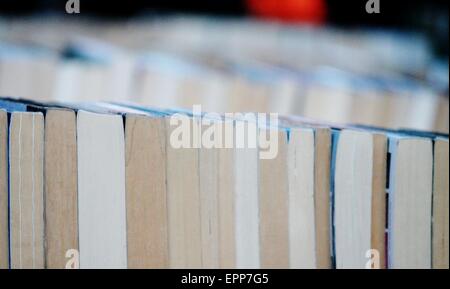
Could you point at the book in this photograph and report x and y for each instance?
(440, 205)
(322, 202)
(226, 206)
(209, 201)
(183, 203)
(101, 190)
(4, 225)
(359, 190)
(410, 202)
(146, 193)
(302, 235)
(352, 197)
(274, 206)
(61, 188)
(379, 196)
(246, 205)
(26, 190)
(27, 72)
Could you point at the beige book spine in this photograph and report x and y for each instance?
(378, 219)
(410, 204)
(322, 164)
(209, 190)
(61, 190)
(273, 208)
(26, 190)
(440, 206)
(227, 237)
(183, 196)
(146, 195)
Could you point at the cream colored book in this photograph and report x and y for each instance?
(410, 202)
(226, 205)
(26, 160)
(274, 207)
(183, 202)
(440, 205)
(302, 237)
(359, 199)
(309, 151)
(209, 202)
(101, 191)
(61, 188)
(146, 194)
(247, 236)
(4, 231)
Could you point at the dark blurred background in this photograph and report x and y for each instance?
(428, 17)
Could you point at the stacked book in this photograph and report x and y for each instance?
(121, 185)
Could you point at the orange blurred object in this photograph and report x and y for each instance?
(309, 11)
